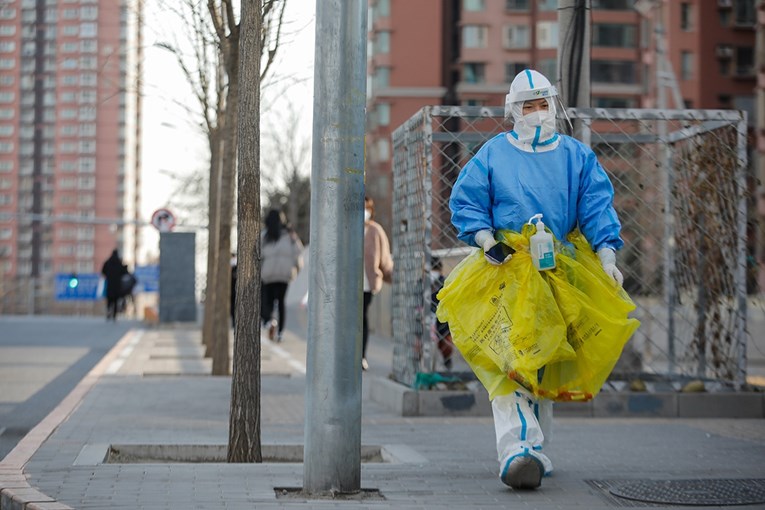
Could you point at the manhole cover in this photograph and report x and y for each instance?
(694, 492)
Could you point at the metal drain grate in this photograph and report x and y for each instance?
(692, 492)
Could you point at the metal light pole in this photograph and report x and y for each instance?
(332, 455)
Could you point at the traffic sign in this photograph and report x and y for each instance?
(77, 286)
(163, 220)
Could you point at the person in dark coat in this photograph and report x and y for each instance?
(113, 269)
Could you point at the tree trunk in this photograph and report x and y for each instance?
(221, 357)
(212, 242)
(244, 419)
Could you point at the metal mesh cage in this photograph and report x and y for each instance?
(680, 192)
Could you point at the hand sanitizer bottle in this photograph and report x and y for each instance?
(541, 246)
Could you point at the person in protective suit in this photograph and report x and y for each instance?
(515, 175)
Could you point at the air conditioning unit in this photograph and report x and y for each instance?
(724, 51)
(724, 4)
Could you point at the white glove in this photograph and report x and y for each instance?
(607, 258)
(485, 239)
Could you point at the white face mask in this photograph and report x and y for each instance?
(526, 126)
(434, 275)
(367, 215)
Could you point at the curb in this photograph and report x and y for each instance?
(406, 401)
(15, 491)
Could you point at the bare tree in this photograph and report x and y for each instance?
(198, 60)
(244, 418)
(227, 30)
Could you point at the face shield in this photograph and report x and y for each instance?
(529, 85)
(538, 127)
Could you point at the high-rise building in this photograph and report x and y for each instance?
(69, 141)
(466, 52)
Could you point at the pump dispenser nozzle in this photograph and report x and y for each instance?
(541, 245)
(540, 225)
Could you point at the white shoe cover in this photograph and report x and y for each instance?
(522, 424)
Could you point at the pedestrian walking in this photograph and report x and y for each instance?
(281, 260)
(378, 268)
(532, 169)
(113, 270)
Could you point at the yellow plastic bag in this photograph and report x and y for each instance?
(557, 333)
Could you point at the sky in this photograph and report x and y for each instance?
(172, 146)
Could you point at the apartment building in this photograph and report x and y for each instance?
(466, 52)
(69, 140)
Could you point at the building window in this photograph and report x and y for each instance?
(517, 5)
(70, 30)
(6, 166)
(745, 12)
(87, 147)
(686, 16)
(382, 42)
(724, 17)
(6, 130)
(88, 13)
(6, 147)
(547, 5)
(744, 61)
(382, 77)
(88, 46)
(547, 34)
(88, 80)
(383, 149)
(613, 71)
(613, 35)
(88, 62)
(87, 113)
(475, 36)
(613, 5)
(8, 30)
(88, 30)
(87, 165)
(87, 130)
(383, 114)
(614, 102)
(7, 13)
(516, 37)
(474, 73)
(473, 5)
(549, 67)
(7, 46)
(686, 65)
(512, 69)
(383, 8)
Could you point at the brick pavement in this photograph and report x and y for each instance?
(439, 462)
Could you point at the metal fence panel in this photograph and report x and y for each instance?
(681, 195)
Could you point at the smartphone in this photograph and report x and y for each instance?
(500, 252)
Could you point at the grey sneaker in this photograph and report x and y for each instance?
(523, 472)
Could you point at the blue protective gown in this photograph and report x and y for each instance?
(502, 186)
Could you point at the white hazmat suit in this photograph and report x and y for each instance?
(515, 175)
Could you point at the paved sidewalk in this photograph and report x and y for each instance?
(152, 390)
